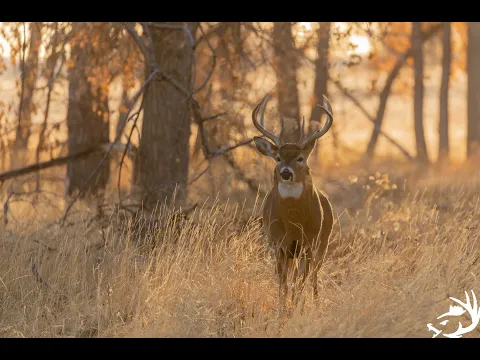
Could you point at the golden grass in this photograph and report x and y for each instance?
(396, 254)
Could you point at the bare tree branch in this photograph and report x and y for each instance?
(372, 120)
(117, 138)
(46, 164)
(214, 62)
(225, 149)
(212, 117)
(138, 40)
(384, 95)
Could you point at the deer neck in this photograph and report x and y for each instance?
(293, 192)
(293, 202)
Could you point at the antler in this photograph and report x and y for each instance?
(319, 133)
(275, 139)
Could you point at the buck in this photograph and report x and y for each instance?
(297, 218)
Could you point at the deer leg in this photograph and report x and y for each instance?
(296, 265)
(318, 259)
(282, 271)
(315, 281)
(303, 270)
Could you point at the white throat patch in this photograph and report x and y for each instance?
(292, 190)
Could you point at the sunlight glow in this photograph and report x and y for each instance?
(362, 44)
(306, 25)
(5, 47)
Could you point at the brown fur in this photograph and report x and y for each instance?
(298, 229)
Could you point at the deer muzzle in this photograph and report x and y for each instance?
(286, 174)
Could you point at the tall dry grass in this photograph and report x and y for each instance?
(397, 253)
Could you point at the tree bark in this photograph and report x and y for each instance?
(443, 143)
(473, 88)
(418, 66)
(30, 73)
(162, 163)
(321, 78)
(87, 121)
(285, 65)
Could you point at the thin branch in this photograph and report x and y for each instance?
(200, 174)
(117, 138)
(372, 120)
(164, 75)
(214, 62)
(151, 48)
(52, 61)
(190, 38)
(225, 149)
(197, 116)
(46, 164)
(384, 95)
(373, 37)
(212, 117)
(138, 40)
(136, 115)
(22, 76)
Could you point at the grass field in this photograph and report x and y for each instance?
(403, 242)
(400, 247)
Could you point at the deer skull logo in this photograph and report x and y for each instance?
(467, 307)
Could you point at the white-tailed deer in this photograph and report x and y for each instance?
(297, 218)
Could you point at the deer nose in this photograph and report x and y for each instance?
(286, 174)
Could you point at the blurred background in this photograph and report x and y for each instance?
(133, 113)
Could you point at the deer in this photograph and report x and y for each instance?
(297, 218)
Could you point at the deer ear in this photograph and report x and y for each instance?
(307, 149)
(265, 146)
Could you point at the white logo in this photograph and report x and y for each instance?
(473, 311)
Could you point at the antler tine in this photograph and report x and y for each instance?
(275, 139)
(302, 129)
(319, 133)
(282, 129)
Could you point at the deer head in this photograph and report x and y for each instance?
(291, 170)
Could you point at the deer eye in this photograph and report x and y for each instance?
(278, 158)
(300, 159)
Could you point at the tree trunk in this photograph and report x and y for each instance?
(285, 64)
(321, 78)
(163, 156)
(124, 104)
(473, 88)
(443, 144)
(30, 73)
(88, 123)
(417, 46)
(384, 95)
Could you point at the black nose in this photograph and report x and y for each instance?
(286, 174)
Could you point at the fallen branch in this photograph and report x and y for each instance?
(47, 164)
(64, 160)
